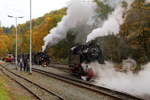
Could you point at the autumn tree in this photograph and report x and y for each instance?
(136, 30)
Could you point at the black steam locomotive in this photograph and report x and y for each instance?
(41, 58)
(81, 55)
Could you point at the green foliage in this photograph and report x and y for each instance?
(8, 30)
(102, 9)
(114, 48)
(60, 51)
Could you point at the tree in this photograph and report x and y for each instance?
(136, 30)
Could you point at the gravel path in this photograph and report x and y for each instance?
(15, 91)
(70, 92)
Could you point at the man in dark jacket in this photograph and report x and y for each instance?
(26, 63)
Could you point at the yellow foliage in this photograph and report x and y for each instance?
(41, 27)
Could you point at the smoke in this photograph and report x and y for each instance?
(147, 1)
(110, 26)
(78, 13)
(115, 3)
(115, 19)
(133, 83)
(81, 32)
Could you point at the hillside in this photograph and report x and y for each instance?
(134, 34)
(41, 27)
(136, 30)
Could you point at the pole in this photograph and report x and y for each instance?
(16, 44)
(16, 57)
(30, 70)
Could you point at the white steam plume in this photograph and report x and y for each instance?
(147, 1)
(77, 13)
(112, 24)
(134, 84)
(115, 3)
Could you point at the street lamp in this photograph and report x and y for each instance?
(16, 37)
(30, 69)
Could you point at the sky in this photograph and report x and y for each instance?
(19, 8)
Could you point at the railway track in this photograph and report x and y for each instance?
(82, 84)
(101, 90)
(35, 89)
(59, 67)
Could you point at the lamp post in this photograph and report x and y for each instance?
(16, 58)
(30, 69)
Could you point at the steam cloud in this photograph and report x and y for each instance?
(107, 76)
(78, 13)
(147, 1)
(112, 24)
(81, 14)
(135, 84)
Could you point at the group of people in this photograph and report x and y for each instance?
(23, 62)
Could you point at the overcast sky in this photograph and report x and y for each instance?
(22, 8)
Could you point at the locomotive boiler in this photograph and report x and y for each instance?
(83, 54)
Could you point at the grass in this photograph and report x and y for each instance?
(3, 92)
(8, 94)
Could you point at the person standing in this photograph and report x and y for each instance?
(26, 63)
(21, 63)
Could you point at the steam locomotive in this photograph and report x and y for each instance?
(81, 55)
(41, 58)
